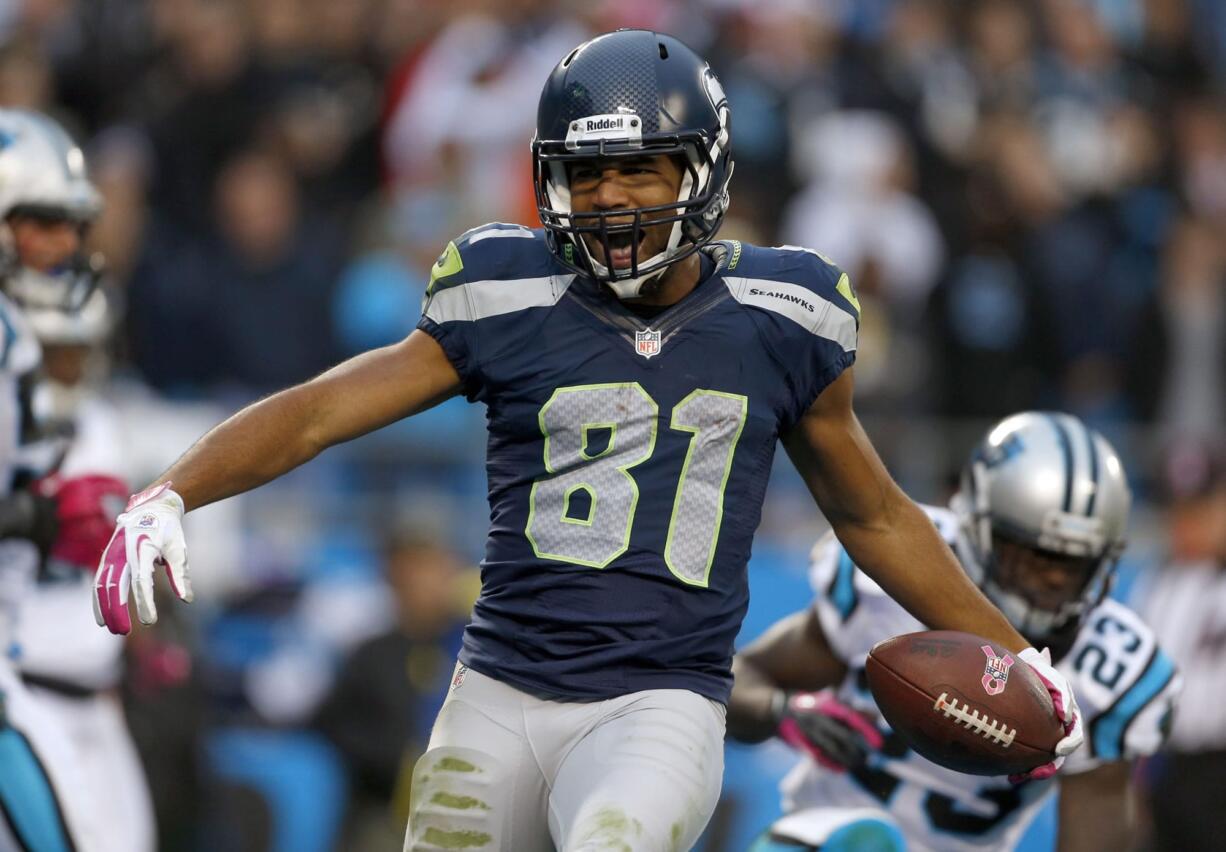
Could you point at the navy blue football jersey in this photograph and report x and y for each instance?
(627, 457)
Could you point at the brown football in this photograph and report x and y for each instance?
(964, 703)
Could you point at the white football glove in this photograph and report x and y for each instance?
(148, 534)
(1067, 711)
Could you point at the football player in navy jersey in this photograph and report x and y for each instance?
(638, 375)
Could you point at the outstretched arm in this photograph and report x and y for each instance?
(893, 541)
(280, 432)
(884, 532)
(258, 444)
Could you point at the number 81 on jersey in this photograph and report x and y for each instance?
(630, 416)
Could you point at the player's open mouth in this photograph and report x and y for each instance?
(621, 247)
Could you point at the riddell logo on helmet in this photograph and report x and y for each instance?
(623, 128)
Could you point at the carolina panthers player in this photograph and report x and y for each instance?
(1038, 523)
(46, 203)
(71, 668)
(637, 376)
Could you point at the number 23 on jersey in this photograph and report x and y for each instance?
(596, 534)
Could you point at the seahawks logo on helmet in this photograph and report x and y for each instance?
(714, 90)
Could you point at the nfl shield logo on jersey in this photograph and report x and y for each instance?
(647, 342)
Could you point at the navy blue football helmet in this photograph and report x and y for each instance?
(631, 93)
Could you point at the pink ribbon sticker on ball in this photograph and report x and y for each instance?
(996, 672)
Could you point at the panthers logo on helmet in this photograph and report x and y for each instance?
(996, 454)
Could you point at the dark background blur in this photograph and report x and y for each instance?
(1030, 196)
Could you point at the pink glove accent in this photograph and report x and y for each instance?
(86, 508)
(111, 585)
(1064, 703)
(1039, 773)
(826, 704)
(114, 581)
(1057, 699)
(146, 495)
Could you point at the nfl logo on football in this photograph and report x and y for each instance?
(647, 342)
(996, 672)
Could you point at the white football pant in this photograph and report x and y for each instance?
(42, 792)
(507, 771)
(114, 786)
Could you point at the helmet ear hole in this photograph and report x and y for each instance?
(663, 50)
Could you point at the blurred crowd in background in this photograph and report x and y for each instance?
(1030, 197)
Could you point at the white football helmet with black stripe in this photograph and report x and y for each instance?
(1049, 483)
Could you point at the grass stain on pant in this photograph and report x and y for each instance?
(463, 803)
(454, 764)
(612, 828)
(457, 839)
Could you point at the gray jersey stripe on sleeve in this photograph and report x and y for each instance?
(513, 232)
(807, 309)
(477, 300)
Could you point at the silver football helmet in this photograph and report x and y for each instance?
(1047, 483)
(42, 175)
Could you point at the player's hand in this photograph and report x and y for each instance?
(830, 732)
(1066, 711)
(149, 534)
